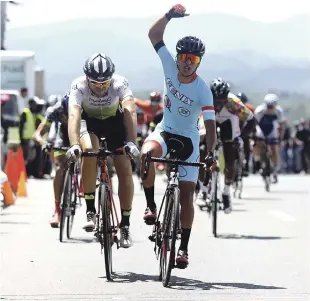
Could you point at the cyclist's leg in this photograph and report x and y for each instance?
(89, 142)
(202, 195)
(60, 160)
(188, 179)
(273, 143)
(247, 152)
(230, 155)
(260, 138)
(155, 144)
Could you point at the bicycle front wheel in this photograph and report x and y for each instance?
(65, 203)
(106, 229)
(214, 201)
(72, 205)
(170, 227)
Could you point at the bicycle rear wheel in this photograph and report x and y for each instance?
(65, 203)
(267, 170)
(106, 229)
(170, 226)
(214, 202)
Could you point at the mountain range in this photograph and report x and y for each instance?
(253, 56)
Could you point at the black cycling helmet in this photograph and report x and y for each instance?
(191, 45)
(243, 97)
(219, 88)
(99, 67)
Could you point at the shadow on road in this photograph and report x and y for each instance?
(4, 213)
(79, 240)
(257, 198)
(181, 283)
(242, 236)
(305, 192)
(14, 223)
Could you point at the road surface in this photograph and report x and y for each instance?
(262, 253)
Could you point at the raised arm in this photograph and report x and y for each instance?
(156, 32)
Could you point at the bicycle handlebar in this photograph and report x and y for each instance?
(101, 153)
(178, 162)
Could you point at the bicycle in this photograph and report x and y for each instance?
(166, 233)
(70, 197)
(215, 202)
(238, 173)
(107, 221)
(266, 169)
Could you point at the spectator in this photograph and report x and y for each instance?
(23, 101)
(303, 135)
(29, 120)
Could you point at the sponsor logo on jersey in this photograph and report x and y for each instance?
(184, 112)
(105, 101)
(178, 94)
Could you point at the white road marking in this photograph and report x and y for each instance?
(282, 215)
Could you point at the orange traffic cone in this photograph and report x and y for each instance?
(12, 170)
(22, 187)
(9, 198)
(21, 162)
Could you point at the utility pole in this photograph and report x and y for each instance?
(4, 20)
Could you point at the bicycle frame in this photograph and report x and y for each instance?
(106, 182)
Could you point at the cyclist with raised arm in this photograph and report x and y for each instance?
(101, 104)
(55, 122)
(185, 96)
(229, 112)
(271, 125)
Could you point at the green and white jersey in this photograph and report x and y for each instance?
(99, 107)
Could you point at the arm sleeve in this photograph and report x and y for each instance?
(206, 99)
(165, 56)
(280, 114)
(236, 107)
(123, 88)
(258, 113)
(76, 95)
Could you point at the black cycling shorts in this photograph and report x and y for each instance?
(112, 128)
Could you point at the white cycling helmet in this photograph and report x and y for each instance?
(271, 99)
(53, 99)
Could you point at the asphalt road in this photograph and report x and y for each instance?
(262, 253)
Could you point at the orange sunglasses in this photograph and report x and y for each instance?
(184, 57)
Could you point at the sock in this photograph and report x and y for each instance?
(185, 238)
(125, 217)
(226, 190)
(90, 201)
(149, 194)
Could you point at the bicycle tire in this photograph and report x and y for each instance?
(64, 203)
(171, 225)
(214, 203)
(72, 206)
(106, 230)
(267, 170)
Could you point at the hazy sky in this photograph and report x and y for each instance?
(46, 11)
